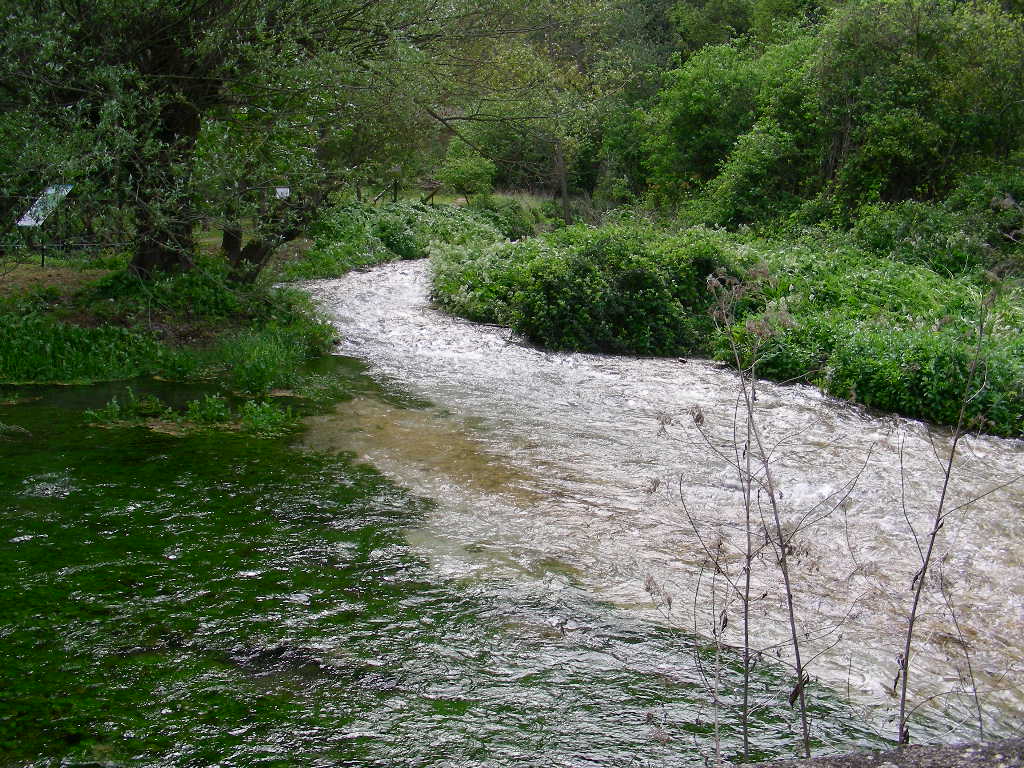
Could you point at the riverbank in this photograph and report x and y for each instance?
(1008, 753)
(83, 319)
(882, 328)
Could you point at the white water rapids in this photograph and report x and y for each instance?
(545, 464)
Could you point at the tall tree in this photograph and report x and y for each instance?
(136, 81)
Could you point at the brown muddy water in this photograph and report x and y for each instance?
(547, 463)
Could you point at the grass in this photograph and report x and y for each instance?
(71, 323)
(195, 325)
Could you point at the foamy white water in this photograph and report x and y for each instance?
(546, 464)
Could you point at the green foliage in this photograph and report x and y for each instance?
(882, 102)
(257, 361)
(922, 233)
(978, 226)
(353, 235)
(704, 107)
(913, 93)
(707, 22)
(512, 218)
(890, 335)
(466, 171)
(281, 330)
(262, 419)
(760, 180)
(612, 289)
(266, 419)
(133, 409)
(208, 410)
(36, 348)
(205, 291)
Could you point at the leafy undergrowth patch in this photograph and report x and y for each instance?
(355, 235)
(261, 418)
(883, 326)
(194, 325)
(620, 288)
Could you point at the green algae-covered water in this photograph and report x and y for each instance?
(221, 600)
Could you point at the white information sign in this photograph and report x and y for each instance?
(45, 205)
(282, 193)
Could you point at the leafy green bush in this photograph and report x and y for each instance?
(922, 233)
(893, 336)
(354, 235)
(134, 408)
(761, 179)
(35, 348)
(917, 372)
(612, 289)
(266, 419)
(210, 409)
(466, 171)
(511, 218)
(478, 281)
(704, 107)
(880, 102)
(257, 361)
(204, 291)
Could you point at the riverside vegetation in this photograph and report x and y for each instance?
(862, 314)
(857, 167)
(250, 341)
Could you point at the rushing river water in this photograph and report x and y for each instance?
(543, 463)
(448, 569)
(218, 600)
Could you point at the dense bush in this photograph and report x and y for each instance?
(183, 326)
(893, 336)
(705, 106)
(513, 219)
(922, 233)
(613, 289)
(35, 348)
(466, 171)
(353, 235)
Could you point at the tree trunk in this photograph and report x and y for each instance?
(231, 239)
(164, 216)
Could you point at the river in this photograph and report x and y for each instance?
(454, 566)
(543, 464)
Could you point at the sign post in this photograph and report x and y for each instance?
(40, 211)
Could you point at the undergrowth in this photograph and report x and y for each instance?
(261, 418)
(193, 325)
(354, 235)
(886, 315)
(620, 288)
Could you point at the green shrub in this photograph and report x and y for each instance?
(922, 233)
(260, 360)
(466, 171)
(210, 409)
(134, 408)
(513, 220)
(893, 336)
(355, 235)
(612, 289)
(917, 372)
(266, 419)
(35, 348)
(204, 291)
(761, 179)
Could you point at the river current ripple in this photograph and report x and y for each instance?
(592, 465)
